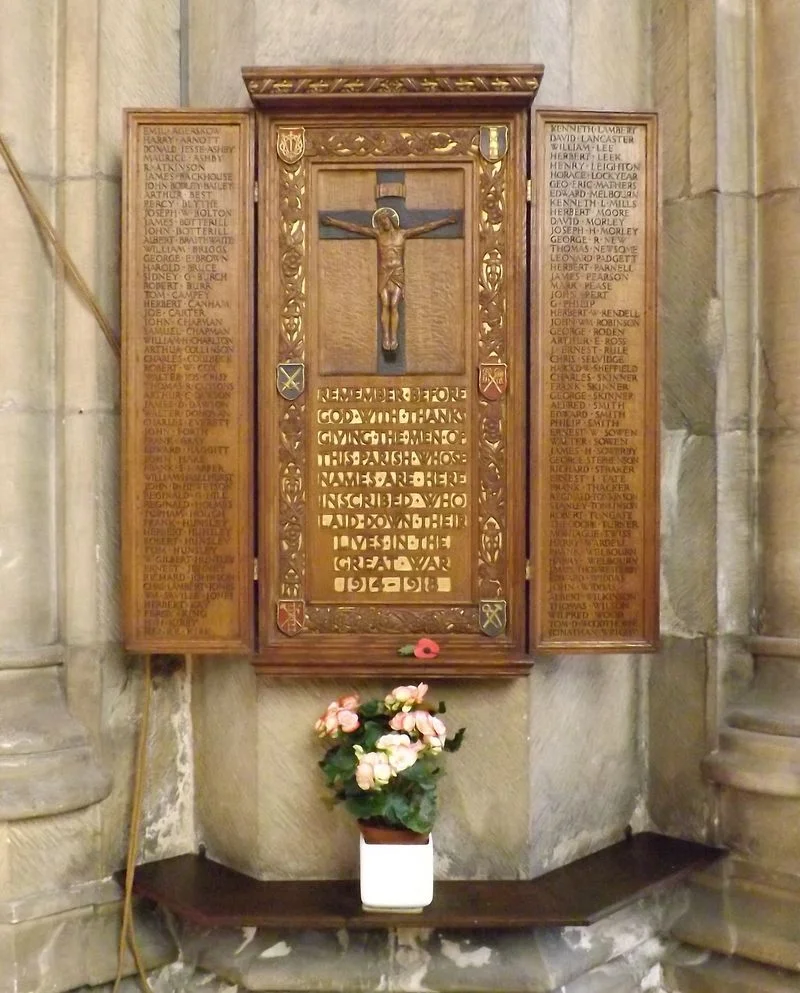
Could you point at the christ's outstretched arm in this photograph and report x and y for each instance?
(334, 222)
(430, 226)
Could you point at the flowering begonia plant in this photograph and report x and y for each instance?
(384, 756)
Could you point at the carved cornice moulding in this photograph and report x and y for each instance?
(468, 86)
(754, 762)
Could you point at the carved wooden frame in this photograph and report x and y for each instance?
(316, 643)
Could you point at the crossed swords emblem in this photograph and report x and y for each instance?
(291, 379)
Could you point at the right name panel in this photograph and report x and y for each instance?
(595, 421)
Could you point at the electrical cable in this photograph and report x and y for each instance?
(51, 235)
(127, 931)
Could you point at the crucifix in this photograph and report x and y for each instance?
(391, 224)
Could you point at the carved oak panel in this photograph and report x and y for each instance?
(594, 512)
(187, 539)
(393, 479)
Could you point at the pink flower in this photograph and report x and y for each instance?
(402, 722)
(348, 720)
(373, 770)
(350, 701)
(336, 718)
(327, 725)
(405, 697)
(425, 724)
(426, 648)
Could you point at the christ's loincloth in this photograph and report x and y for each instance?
(394, 277)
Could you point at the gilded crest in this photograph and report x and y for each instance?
(493, 380)
(492, 617)
(494, 141)
(291, 379)
(291, 144)
(291, 616)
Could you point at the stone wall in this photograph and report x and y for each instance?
(69, 700)
(739, 165)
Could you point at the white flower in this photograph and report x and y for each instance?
(400, 751)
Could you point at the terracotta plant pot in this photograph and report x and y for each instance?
(377, 834)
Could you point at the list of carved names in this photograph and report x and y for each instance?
(391, 520)
(189, 318)
(594, 324)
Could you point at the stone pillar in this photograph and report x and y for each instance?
(68, 705)
(747, 907)
(701, 84)
(46, 764)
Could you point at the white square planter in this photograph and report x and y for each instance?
(396, 877)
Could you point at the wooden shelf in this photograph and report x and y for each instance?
(211, 895)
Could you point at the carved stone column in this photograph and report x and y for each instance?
(46, 760)
(748, 907)
(63, 691)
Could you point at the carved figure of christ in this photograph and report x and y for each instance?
(391, 240)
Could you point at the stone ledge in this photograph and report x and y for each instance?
(33, 658)
(774, 647)
(612, 956)
(93, 893)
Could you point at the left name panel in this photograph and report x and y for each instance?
(187, 394)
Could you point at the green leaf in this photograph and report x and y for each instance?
(366, 805)
(372, 708)
(397, 808)
(406, 650)
(421, 775)
(453, 744)
(373, 730)
(342, 761)
(422, 815)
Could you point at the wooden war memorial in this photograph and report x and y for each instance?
(390, 371)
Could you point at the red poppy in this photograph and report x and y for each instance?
(426, 648)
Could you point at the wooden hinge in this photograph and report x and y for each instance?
(529, 190)
(528, 570)
(255, 570)
(255, 192)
